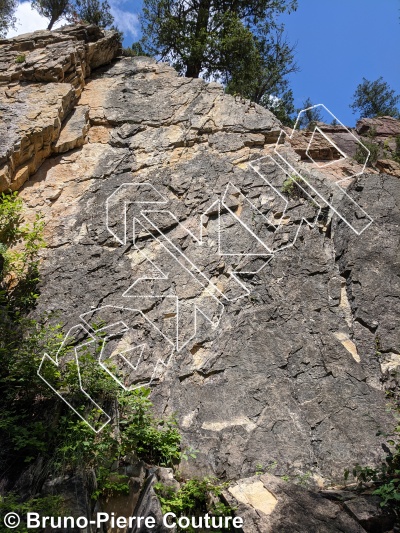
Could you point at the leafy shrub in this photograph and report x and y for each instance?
(33, 422)
(21, 339)
(49, 505)
(139, 432)
(195, 498)
(19, 247)
(20, 59)
(361, 153)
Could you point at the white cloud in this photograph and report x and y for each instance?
(29, 20)
(125, 20)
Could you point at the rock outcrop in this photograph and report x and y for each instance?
(384, 134)
(379, 126)
(41, 76)
(288, 296)
(325, 147)
(270, 505)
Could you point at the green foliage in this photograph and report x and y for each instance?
(290, 188)
(90, 11)
(194, 498)
(110, 484)
(311, 115)
(94, 12)
(7, 18)
(48, 428)
(27, 403)
(53, 10)
(19, 247)
(375, 98)
(361, 153)
(281, 106)
(20, 59)
(396, 155)
(22, 341)
(208, 37)
(390, 491)
(10, 218)
(138, 434)
(259, 469)
(260, 70)
(135, 50)
(33, 422)
(303, 479)
(49, 505)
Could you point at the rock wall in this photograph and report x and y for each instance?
(41, 77)
(296, 311)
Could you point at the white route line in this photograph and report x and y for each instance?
(315, 191)
(56, 362)
(210, 289)
(162, 200)
(297, 127)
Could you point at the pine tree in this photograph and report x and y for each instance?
(91, 11)
(208, 37)
(261, 74)
(95, 12)
(310, 116)
(375, 98)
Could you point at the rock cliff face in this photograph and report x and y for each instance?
(41, 77)
(273, 298)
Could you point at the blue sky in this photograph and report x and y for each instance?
(338, 43)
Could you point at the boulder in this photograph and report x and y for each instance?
(74, 130)
(312, 145)
(268, 504)
(60, 56)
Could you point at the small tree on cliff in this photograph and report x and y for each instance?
(209, 37)
(53, 10)
(261, 75)
(7, 19)
(94, 12)
(311, 114)
(374, 99)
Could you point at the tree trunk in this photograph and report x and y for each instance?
(53, 20)
(196, 59)
(193, 69)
